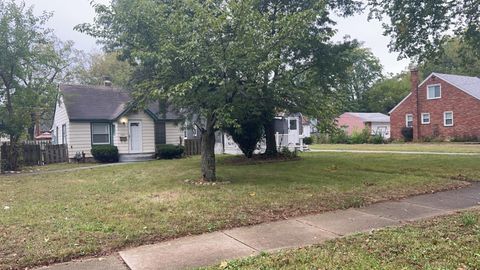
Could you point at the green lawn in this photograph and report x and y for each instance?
(419, 147)
(55, 217)
(451, 242)
(55, 167)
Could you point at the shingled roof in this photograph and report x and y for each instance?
(86, 103)
(468, 84)
(371, 117)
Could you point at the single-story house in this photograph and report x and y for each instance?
(290, 130)
(376, 123)
(86, 116)
(442, 106)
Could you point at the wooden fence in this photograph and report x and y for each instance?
(35, 153)
(192, 147)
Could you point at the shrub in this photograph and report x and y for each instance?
(247, 135)
(308, 140)
(105, 153)
(376, 139)
(407, 133)
(321, 138)
(340, 137)
(360, 137)
(169, 151)
(285, 152)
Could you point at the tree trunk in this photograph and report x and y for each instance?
(208, 152)
(270, 140)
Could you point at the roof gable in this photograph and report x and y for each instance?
(468, 84)
(94, 102)
(99, 103)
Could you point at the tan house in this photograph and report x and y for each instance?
(100, 115)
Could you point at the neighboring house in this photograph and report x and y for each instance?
(290, 129)
(99, 115)
(376, 123)
(442, 106)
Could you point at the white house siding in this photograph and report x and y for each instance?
(79, 139)
(379, 126)
(121, 130)
(173, 133)
(60, 119)
(148, 133)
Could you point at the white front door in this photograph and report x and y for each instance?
(135, 137)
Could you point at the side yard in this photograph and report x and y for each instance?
(55, 217)
(451, 242)
(409, 147)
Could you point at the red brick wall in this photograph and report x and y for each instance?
(466, 113)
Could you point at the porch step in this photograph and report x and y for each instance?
(136, 157)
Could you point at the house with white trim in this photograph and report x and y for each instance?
(444, 106)
(86, 116)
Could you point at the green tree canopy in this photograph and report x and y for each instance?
(385, 94)
(93, 68)
(456, 57)
(31, 60)
(202, 55)
(419, 28)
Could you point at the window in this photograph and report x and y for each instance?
(100, 133)
(409, 120)
(434, 91)
(64, 134)
(293, 124)
(425, 118)
(448, 119)
(185, 132)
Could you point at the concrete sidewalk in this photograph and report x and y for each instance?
(213, 248)
(393, 152)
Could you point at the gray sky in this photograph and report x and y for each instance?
(68, 13)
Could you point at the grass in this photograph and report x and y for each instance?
(416, 147)
(55, 217)
(441, 243)
(55, 167)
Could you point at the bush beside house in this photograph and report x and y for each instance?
(105, 153)
(169, 151)
(341, 137)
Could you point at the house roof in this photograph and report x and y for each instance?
(371, 117)
(468, 84)
(86, 103)
(94, 102)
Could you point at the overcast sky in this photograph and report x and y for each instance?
(68, 13)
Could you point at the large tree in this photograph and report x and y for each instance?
(31, 59)
(385, 94)
(455, 57)
(93, 68)
(419, 28)
(363, 72)
(203, 55)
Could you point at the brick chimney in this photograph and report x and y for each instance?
(414, 88)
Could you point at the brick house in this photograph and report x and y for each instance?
(442, 106)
